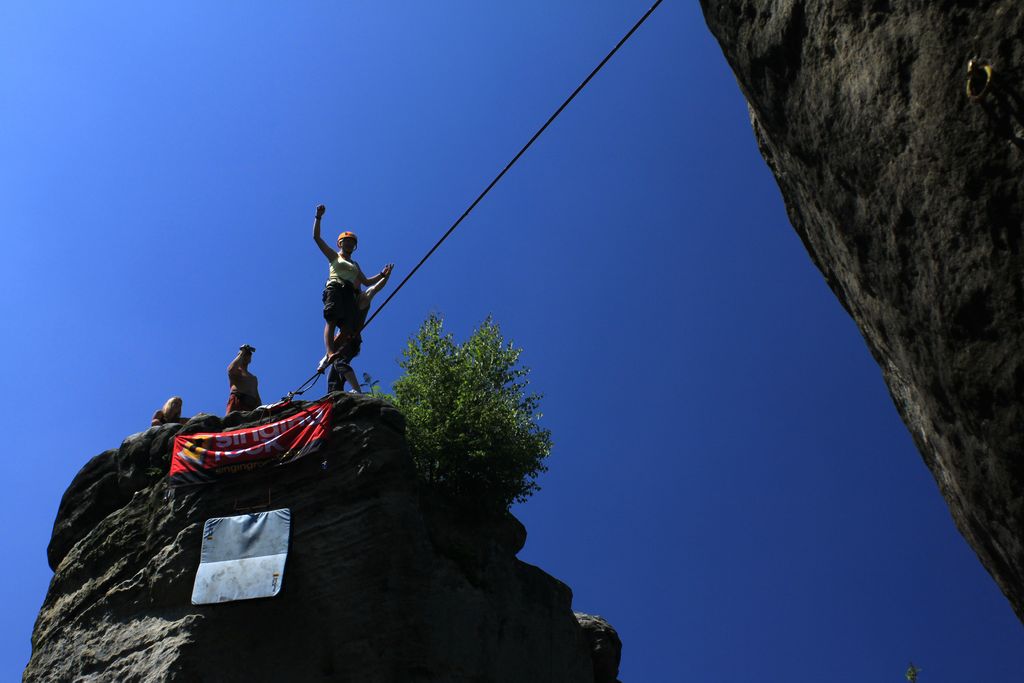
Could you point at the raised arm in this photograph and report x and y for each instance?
(236, 366)
(367, 281)
(370, 281)
(328, 252)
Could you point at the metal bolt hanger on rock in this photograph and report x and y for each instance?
(979, 78)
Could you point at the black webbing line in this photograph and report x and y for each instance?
(308, 384)
(515, 159)
(305, 386)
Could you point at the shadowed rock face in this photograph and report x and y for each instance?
(605, 647)
(380, 584)
(909, 199)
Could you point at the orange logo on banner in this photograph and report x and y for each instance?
(202, 458)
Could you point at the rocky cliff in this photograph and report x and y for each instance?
(906, 191)
(381, 583)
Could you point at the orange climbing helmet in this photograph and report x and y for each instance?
(347, 234)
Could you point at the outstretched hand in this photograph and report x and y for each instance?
(386, 270)
(320, 209)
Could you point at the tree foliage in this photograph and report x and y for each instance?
(471, 427)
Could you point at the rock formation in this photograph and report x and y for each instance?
(605, 647)
(381, 583)
(908, 195)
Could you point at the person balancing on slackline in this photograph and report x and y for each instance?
(341, 294)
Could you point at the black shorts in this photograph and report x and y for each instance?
(336, 377)
(340, 304)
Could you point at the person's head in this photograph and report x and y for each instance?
(347, 242)
(172, 409)
(246, 352)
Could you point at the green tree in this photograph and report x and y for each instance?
(471, 427)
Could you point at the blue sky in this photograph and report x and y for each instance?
(730, 486)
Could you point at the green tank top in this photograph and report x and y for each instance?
(343, 270)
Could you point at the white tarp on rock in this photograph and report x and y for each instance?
(242, 557)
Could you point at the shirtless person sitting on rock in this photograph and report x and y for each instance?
(245, 394)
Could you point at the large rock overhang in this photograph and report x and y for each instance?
(907, 194)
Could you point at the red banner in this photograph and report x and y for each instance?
(203, 458)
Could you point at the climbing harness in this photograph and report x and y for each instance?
(308, 384)
(979, 79)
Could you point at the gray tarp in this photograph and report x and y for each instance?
(242, 557)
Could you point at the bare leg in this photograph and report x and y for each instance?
(339, 341)
(333, 351)
(366, 296)
(350, 377)
(329, 338)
